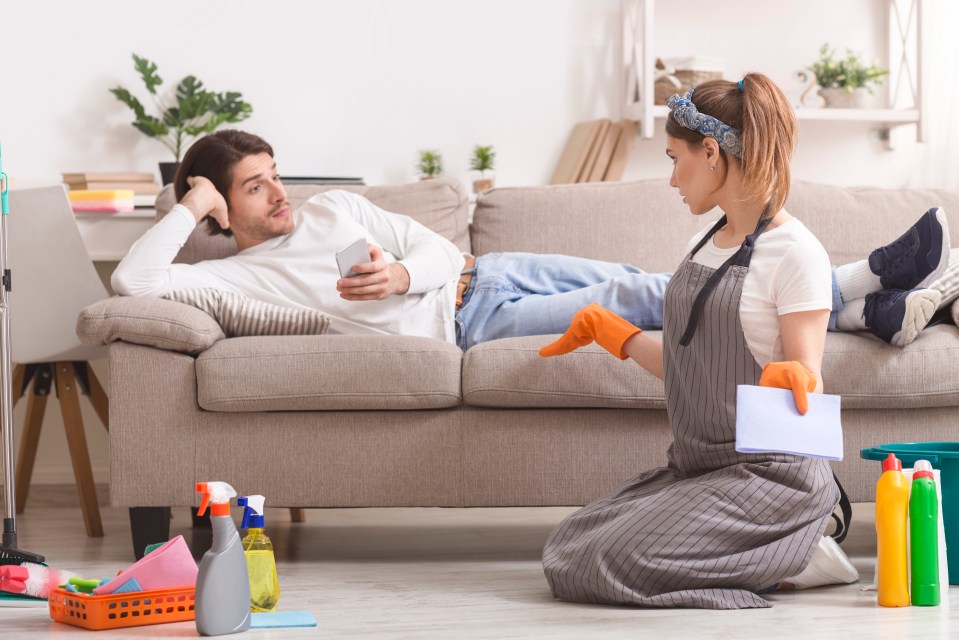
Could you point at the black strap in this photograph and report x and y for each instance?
(842, 524)
(741, 258)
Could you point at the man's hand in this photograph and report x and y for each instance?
(377, 280)
(204, 200)
(792, 375)
(594, 323)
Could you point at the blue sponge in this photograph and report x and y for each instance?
(282, 619)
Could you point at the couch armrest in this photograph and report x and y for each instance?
(151, 322)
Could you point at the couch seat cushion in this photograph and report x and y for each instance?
(511, 373)
(310, 373)
(864, 370)
(870, 374)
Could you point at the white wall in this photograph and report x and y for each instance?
(356, 87)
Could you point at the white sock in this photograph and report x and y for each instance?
(856, 280)
(828, 565)
(851, 318)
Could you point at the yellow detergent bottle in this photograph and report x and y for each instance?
(892, 505)
(260, 564)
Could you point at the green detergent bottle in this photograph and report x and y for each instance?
(260, 563)
(924, 536)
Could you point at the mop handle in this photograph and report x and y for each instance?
(4, 187)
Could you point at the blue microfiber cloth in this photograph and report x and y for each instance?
(282, 619)
(129, 586)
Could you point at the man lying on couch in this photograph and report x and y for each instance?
(417, 282)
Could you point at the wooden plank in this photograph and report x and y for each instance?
(574, 155)
(605, 153)
(593, 153)
(624, 147)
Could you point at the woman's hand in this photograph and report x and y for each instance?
(790, 375)
(594, 323)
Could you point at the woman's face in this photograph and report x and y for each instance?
(697, 183)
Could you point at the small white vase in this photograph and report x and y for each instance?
(842, 99)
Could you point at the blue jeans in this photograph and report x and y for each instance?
(529, 294)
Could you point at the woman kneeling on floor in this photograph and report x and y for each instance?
(750, 305)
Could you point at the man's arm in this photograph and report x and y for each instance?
(426, 260)
(148, 269)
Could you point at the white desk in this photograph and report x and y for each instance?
(108, 236)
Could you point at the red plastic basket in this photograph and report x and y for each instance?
(123, 609)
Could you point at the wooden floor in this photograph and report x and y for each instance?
(453, 573)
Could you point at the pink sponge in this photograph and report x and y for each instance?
(169, 566)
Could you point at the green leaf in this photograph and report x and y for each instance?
(129, 100)
(192, 99)
(151, 127)
(148, 72)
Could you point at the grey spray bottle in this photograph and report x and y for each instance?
(222, 584)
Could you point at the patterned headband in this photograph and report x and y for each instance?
(686, 114)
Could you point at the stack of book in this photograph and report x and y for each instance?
(101, 200)
(145, 188)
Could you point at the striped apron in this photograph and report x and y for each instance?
(714, 528)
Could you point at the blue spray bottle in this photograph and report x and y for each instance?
(260, 563)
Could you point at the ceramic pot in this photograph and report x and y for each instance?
(842, 99)
(168, 171)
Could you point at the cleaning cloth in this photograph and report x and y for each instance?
(282, 619)
(168, 567)
(767, 421)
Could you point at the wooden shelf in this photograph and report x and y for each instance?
(878, 116)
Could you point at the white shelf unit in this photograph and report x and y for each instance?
(905, 62)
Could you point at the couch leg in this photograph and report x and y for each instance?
(148, 525)
(200, 522)
(297, 514)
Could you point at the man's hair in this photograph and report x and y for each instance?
(213, 157)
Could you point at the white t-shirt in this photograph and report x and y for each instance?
(789, 272)
(300, 270)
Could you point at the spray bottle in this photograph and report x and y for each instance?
(892, 504)
(924, 536)
(222, 585)
(264, 584)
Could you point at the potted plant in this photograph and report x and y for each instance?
(430, 164)
(195, 112)
(483, 160)
(845, 82)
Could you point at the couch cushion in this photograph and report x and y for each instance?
(643, 223)
(870, 374)
(152, 322)
(441, 204)
(866, 371)
(653, 226)
(239, 315)
(310, 373)
(852, 221)
(511, 373)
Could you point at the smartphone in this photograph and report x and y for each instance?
(356, 253)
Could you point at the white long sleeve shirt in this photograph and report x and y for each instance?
(300, 270)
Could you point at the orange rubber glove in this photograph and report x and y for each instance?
(790, 375)
(594, 323)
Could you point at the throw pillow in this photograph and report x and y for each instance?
(955, 312)
(948, 282)
(239, 315)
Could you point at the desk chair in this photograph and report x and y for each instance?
(52, 279)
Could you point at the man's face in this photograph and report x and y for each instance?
(259, 209)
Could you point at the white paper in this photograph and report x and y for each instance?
(767, 421)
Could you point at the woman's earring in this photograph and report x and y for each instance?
(712, 168)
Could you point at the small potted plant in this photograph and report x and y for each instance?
(844, 82)
(196, 112)
(483, 160)
(430, 164)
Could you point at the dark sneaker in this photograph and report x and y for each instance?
(898, 316)
(917, 257)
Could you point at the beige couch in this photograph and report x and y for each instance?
(350, 421)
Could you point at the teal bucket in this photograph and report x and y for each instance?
(945, 457)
